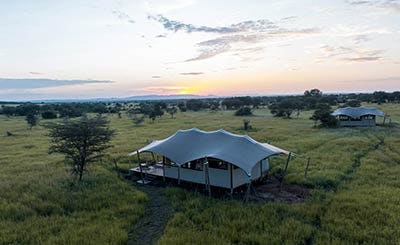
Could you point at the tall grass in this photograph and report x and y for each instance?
(354, 181)
(40, 203)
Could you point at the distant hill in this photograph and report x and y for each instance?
(152, 97)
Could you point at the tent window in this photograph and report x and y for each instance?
(168, 162)
(194, 165)
(368, 117)
(216, 163)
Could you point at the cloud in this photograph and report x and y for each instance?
(363, 59)
(161, 36)
(123, 16)
(191, 73)
(246, 32)
(35, 83)
(36, 73)
(252, 26)
(392, 5)
(359, 2)
(357, 39)
(351, 54)
(155, 77)
(394, 80)
(213, 47)
(172, 25)
(161, 90)
(154, 6)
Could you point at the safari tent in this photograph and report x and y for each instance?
(216, 158)
(357, 116)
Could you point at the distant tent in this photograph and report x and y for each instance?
(357, 116)
(231, 160)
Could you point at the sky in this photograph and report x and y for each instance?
(79, 49)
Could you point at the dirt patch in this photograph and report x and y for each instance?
(271, 190)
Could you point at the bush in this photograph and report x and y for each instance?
(244, 111)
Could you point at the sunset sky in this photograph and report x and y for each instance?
(102, 48)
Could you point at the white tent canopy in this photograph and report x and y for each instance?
(357, 112)
(189, 145)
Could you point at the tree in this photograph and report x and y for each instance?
(323, 114)
(158, 109)
(32, 120)
(283, 108)
(82, 141)
(244, 111)
(182, 106)
(194, 105)
(246, 124)
(138, 120)
(8, 111)
(152, 116)
(172, 110)
(49, 115)
(70, 111)
(380, 96)
(352, 103)
(313, 93)
(298, 105)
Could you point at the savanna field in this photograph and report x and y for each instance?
(354, 177)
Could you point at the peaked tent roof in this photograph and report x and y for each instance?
(192, 144)
(357, 112)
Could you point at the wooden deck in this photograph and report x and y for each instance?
(156, 170)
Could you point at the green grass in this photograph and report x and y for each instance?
(41, 204)
(354, 177)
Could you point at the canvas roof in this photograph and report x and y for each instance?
(357, 112)
(192, 144)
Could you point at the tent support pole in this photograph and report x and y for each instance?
(179, 174)
(130, 165)
(140, 166)
(154, 157)
(269, 164)
(231, 177)
(163, 168)
(306, 170)
(207, 177)
(286, 166)
(261, 172)
(246, 197)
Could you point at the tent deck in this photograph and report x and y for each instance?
(156, 170)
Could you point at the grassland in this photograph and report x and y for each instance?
(354, 177)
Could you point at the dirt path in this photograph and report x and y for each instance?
(149, 228)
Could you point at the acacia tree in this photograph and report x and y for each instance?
(82, 141)
(32, 120)
(283, 108)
